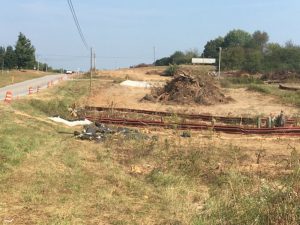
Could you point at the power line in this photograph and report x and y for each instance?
(63, 56)
(77, 24)
(99, 57)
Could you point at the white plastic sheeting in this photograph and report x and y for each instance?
(71, 123)
(132, 83)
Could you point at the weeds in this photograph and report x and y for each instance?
(159, 178)
(243, 80)
(171, 70)
(51, 107)
(248, 200)
(258, 88)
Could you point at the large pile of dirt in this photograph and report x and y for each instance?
(188, 87)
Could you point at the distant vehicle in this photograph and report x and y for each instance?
(69, 72)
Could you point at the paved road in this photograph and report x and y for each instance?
(21, 89)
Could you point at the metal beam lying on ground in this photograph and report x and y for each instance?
(288, 131)
(227, 120)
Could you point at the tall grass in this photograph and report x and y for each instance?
(250, 200)
(259, 88)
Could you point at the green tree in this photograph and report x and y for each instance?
(211, 49)
(192, 53)
(233, 58)
(237, 38)
(272, 57)
(260, 39)
(25, 53)
(45, 67)
(178, 58)
(10, 60)
(163, 61)
(253, 60)
(2, 56)
(290, 56)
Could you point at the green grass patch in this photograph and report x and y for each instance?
(18, 139)
(259, 88)
(56, 102)
(292, 97)
(243, 80)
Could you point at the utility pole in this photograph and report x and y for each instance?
(94, 62)
(220, 58)
(38, 65)
(2, 68)
(91, 71)
(154, 55)
(2, 65)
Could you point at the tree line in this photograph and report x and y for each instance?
(244, 51)
(22, 56)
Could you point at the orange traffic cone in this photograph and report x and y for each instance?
(30, 91)
(8, 97)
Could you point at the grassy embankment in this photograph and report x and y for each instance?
(15, 76)
(50, 178)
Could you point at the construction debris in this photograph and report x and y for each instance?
(186, 134)
(99, 132)
(189, 87)
(71, 123)
(289, 87)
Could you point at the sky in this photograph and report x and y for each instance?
(124, 32)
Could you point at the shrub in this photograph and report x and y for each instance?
(171, 70)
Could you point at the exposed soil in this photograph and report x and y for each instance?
(246, 103)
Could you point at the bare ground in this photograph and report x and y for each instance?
(246, 103)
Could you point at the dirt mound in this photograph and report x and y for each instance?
(188, 87)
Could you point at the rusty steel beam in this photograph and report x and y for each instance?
(289, 131)
(243, 120)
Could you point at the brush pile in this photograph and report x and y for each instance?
(188, 87)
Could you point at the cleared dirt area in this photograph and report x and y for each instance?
(245, 103)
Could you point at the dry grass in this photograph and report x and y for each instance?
(15, 76)
(50, 178)
(141, 74)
